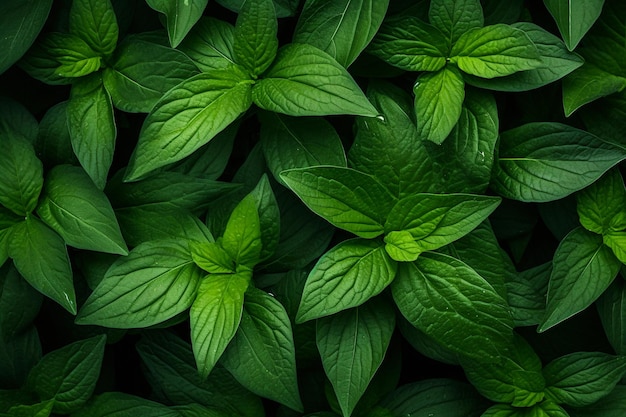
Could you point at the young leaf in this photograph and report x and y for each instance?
(543, 409)
(142, 72)
(215, 316)
(495, 51)
(435, 220)
(438, 103)
(92, 127)
(583, 267)
(155, 282)
(548, 161)
(79, 212)
(256, 40)
(410, 44)
(401, 246)
(601, 205)
(41, 258)
(180, 16)
(261, 356)
(21, 174)
(582, 378)
(242, 236)
(212, 257)
(210, 44)
(347, 198)
(306, 81)
(574, 18)
(341, 28)
(187, 117)
(94, 22)
(352, 345)
(68, 375)
(346, 276)
(454, 18)
(457, 307)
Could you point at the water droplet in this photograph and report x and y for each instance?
(480, 157)
(381, 117)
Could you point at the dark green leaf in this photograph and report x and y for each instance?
(346, 276)
(118, 404)
(18, 354)
(548, 161)
(42, 409)
(611, 405)
(543, 409)
(601, 205)
(526, 294)
(256, 40)
(94, 22)
(589, 83)
(306, 81)
(574, 18)
(612, 309)
(454, 18)
(155, 282)
(210, 44)
(53, 144)
(347, 198)
(180, 15)
(15, 119)
(19, 303)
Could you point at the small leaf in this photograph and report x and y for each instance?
(242, 236)
(256, 40)
(352, 345)
(211, 257)
(495, 51)
(210, 44)
(438, 103)
(454, 18)
(94, 22)
(306, 81)
(215, 316)
(582, 378)
(401, 246)
(601, 205)
(574, 18)
(583, 267)
(543, 409)
(346, 276)
(589, 83)
(346, 198)
(180, 15)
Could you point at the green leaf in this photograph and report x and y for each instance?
(118, 404)
(173, 376)
(210, 44)
(297, 142)
(269, 216)
(215, 316)
(180, 15)
(262, 356)
(583, 267)
(408, 43)
(547, 161)
(187, 117)
(306, 81)
(340, 28)
(557, 63)
(94, 22)
(53, 144)
(457, 307)
(611, 405)
(582, 378)
(242, 236)
(92, 127)
(155, 282)
(142, 72)
(212, 257)
(61, 55)
(68, 375)
(574, 18)
(15, 119)
(41, 258)
(601, 205)
(352, 345)
(19, 303)
(256, 41)
(589, 83)
(454, 18)
(42, 409)
(80, 213)
(346, 276)
(21, 23)
(438, 103)
(435, 220)
(401, 246)
(346, 198)
(516, 379)
(543, 409)
(612, 310)
(495, 51)
(21, 174)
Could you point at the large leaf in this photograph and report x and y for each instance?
(68, 375)
(94, 22)
(306, 81)
(438, 103)
(256, 41)
(261, 356)
(347, 198)
(346, 276)
(210, 44)
(189, 116)
(456, 17)
(215, 316)
(92, 128)
(21, 23)
(495, 51)
(352, 345)
(583, 267)
(155, 282)
(341, 28)
(21, 174)
(41, 258)
(456, 306)
(548, 161)
(574, 18)
(79, 212)
(181, 15)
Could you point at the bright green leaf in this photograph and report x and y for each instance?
(543, 409)
(256, 41)
(454, 18)
(42, 409)
(94, 22)
(242, 236)
(602, 206)
(181, 15)
(210, 44)
(212, 257)
(574, 18)
(401, 246)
